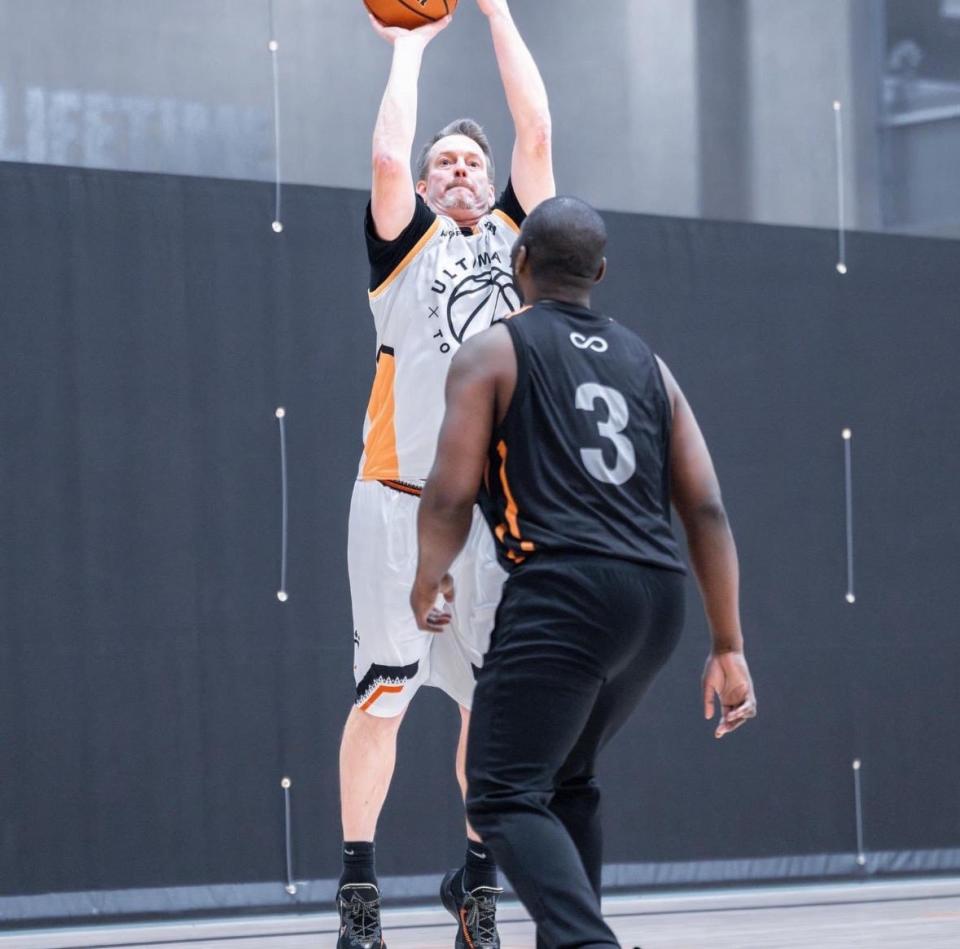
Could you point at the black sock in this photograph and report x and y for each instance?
(479, 868)
(358, 862)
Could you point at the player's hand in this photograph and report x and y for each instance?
(422, 34)
(491, 7)
(726, 677)
(423, 600)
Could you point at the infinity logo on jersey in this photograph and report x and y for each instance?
(595, 343)
(472, 295)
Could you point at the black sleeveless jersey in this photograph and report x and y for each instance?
(580, 463)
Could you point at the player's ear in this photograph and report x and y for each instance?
(421, 188)
(491, 196)
(602, 272)
(520, 258)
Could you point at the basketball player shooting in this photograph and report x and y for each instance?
(439, 248)
(576, 436)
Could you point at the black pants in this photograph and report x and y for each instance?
(576, 643)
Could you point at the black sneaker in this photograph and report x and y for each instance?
(475, 912)
(359, 905)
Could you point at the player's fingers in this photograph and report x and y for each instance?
(726, 726)
(745, 710)
(436, 621)
(430, 30)
(735, 717)
(708, 700)
(447, 588)
(712, 690)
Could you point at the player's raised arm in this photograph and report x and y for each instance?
(392, 198)
(532, 165)
(713, 553)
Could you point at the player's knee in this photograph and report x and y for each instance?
(385, 720)
(477, 810)
(488, 803)
(581, 786)
(579, 794)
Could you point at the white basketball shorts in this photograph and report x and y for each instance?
(392, 658)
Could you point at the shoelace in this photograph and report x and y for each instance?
(364, 917)
(482, 917)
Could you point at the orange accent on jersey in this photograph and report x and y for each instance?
(380, 691)
(406, 260)
(509, 221)
(512, 314)
(511, 512)
(380, 458)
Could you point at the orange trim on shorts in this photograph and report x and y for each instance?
(420, 244)
(380, 691)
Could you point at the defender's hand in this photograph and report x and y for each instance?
(727, 677)
(423, 600)
(422, 34)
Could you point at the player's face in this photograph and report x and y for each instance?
(457, 183)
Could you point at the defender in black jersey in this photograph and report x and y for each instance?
(576, 438)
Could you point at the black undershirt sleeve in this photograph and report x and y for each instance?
(385, 256)
(508, 203)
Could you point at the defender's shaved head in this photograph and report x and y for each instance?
(564, 239)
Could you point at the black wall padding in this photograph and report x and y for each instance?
(153, 691)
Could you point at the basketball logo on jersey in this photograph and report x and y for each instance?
(595, 343)
(493, 288)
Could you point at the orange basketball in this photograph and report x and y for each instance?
(409, 13)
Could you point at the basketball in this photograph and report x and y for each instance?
(409, 13)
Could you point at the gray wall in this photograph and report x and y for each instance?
(720, 108)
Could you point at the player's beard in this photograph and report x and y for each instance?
(461, 199)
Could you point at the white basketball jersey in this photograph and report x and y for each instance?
(449, 287)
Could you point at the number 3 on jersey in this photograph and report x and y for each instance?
(625, 463)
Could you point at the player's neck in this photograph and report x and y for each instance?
(460, 217)
(570, 295)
